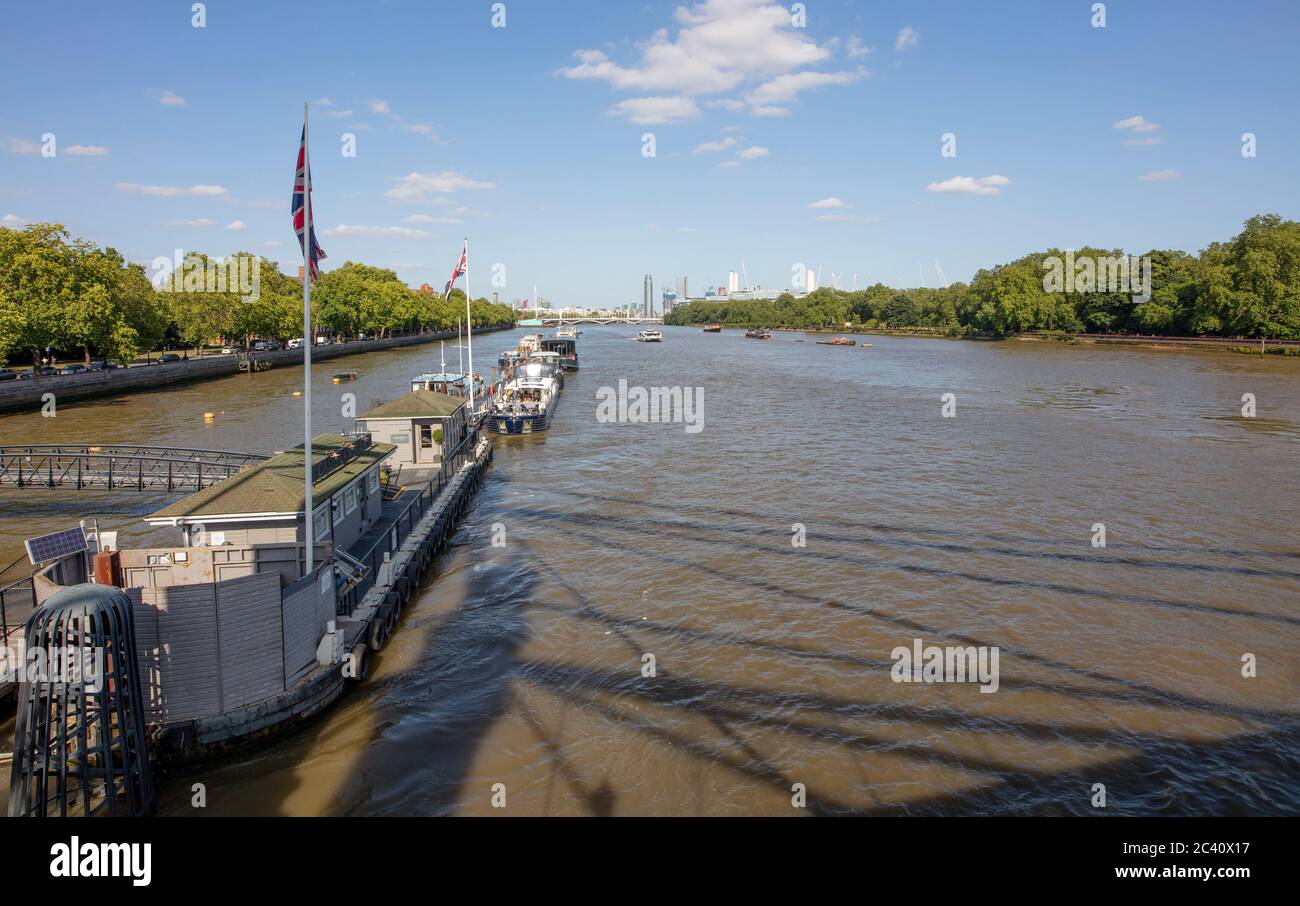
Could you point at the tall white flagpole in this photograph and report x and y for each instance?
(469, 331)
(308, 340)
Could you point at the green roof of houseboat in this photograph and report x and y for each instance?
(276, 485)
(417, 404)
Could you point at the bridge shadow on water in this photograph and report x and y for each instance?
(490, 661)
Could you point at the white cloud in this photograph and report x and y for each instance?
(20, 146)
(714, 146)
(827, 203)
(236, 225)
(785, 88)
(855, 48)
(684, 229)
(336, 114)
(378, 106)
(169, 98)
(323, 102)
(1160, 176)
(418, 128)
(195, 223)
(357, 229)
(86, 150)
(656, 110)
(200, 191)
(970, 185)
(719, 46)
(907, 37)
(1136, 124)
(767, 111)
(419, 186)
(13, 220)
(754, 152)
(273, 243)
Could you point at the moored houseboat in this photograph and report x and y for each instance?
(525, 404)
(564, 347)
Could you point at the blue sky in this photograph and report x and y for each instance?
(527, 137)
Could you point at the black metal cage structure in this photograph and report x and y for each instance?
(80, 747)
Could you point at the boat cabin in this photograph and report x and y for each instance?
(253, 521)
(421, 426)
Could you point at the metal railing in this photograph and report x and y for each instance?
(403, 523)
(111, 467)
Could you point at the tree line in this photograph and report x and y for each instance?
(70, 296)
(1248, 286)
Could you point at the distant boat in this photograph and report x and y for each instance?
(650, 336)
(344, 377)
(569, 332)
(838, 341)
(759, 333)
(712, 328)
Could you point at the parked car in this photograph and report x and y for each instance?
(8, 375)
(295, 343)
(167, 358)
(45, 369)
(75, 368)
(229, 350)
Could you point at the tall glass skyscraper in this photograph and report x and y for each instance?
(649, 296)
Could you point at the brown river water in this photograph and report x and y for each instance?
(522, 664)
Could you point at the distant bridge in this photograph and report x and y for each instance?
(561, 322)
(108, 467)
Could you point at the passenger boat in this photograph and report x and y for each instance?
(650, 336)
(712, 328)
(524, 405)
(344, 377)
(759, 333)
(567, 332)
(838, 341)
(566, 348)
(448, 382)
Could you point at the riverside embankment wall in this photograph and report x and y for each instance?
(18, 395)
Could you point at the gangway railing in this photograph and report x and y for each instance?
(118, 467)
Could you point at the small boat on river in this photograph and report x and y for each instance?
(759, 333)
(712, 328)
(838, 341)
(650, 336)
(344, 377)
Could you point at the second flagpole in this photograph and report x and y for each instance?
(469, 331)
(308, 340)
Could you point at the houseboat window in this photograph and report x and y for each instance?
(426, 436)
(372, 481)
(322, 520)
(403, 438)
(350, 499)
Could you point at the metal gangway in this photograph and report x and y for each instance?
(112, 467)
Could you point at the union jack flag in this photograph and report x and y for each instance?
(296, 206)
(458, 270)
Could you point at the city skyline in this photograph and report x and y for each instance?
(669, 138)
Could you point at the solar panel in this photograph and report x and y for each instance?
(52, 547)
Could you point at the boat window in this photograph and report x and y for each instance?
(322, 519)
(372, 481)
(426, 437)
(350, 499)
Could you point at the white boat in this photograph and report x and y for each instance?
(650, 336)
(524, 404)
(570, 332)
(529, 344)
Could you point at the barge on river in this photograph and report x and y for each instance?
(235, 634)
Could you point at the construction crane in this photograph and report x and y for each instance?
(942, 278)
